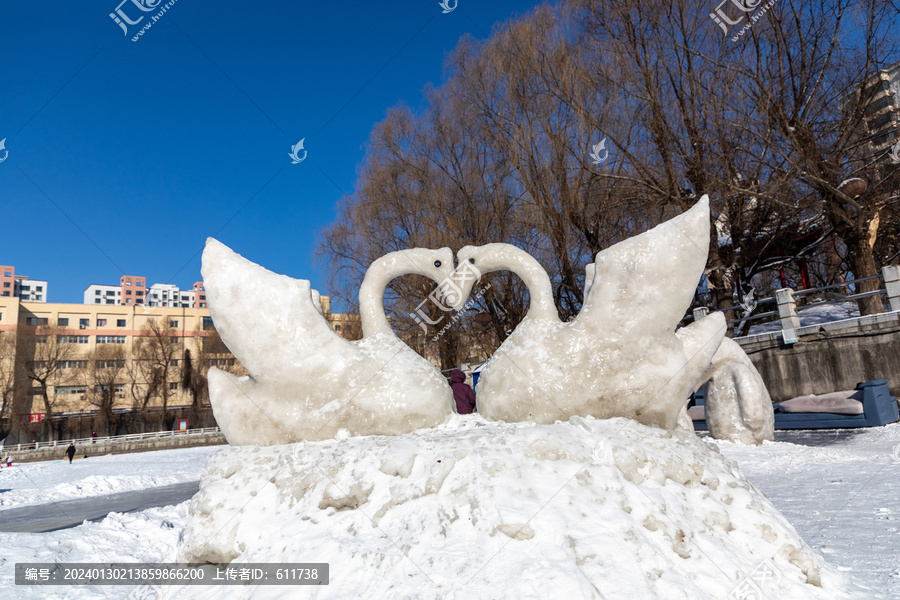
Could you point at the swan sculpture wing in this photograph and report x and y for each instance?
(307, 382)
(621, 357)
(270, 322)
(648, 280)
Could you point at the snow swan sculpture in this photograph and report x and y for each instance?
(738, 405)
(621, 356)
(306, 381)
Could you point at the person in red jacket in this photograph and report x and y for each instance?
(462, 393)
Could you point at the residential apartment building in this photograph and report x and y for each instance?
(77, 337)
(881, 118)
(105, 344)
(133, 290)
(20, 286)
(130, 291)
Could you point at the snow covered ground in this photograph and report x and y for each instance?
(841, 498)
(52, 481)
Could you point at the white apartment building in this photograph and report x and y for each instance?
(30, 290)
(19, 286)
(166, 294)
(163, 294)
(133, 290)
(103, 294)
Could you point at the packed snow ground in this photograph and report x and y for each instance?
(840, 498)
(27, 484)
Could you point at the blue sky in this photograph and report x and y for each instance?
(124, 156)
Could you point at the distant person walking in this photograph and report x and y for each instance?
(462, 393)
(70, 452)
(93, 437)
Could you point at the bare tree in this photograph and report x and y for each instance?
(812, 78)
(102, 377)
(503, 150)
(151, 366)
(43, 356)
(9, 382)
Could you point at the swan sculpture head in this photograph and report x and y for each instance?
(437, 265)
(500, 257)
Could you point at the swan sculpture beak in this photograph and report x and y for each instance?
(464, 278)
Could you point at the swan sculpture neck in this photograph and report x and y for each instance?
(498, 257)
(380, 273)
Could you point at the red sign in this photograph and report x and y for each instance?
(182, 425)
(31, 418)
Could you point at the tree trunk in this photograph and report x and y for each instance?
(447, 346)
(48, 413)
(722, 278)
(862, 261)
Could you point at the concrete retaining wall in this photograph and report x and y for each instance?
(829, 357)
(98, 449)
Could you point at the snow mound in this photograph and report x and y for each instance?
(474, 509)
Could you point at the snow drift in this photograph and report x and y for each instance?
(474, 509)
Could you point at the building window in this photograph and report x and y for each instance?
(110, 364)
(127, 292)
(97, 301)
(26, 288)
(101, 322)
(220, 362)
(70, 389)
(110, 339)
(173, 324)
(337, 327)
(110, 300)
(202, 297)
(173, 362)
(208, 323)
(62, 322)
(140, 284)
(35, 321)
(96, 292)
(203, 305)
(128, 283)
(72, 364)
(6, 293)
(82, 323)
(5, 284)
(7, 273)
(138, 293)
(119, 388)
(72, 339)
(38, 297)
(110, 293)
(120, 322)
(40, 339)
(173, 386)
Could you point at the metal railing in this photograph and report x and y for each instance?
(131, 437)
(787, 312)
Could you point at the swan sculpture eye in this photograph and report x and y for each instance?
(472, 260)
(437, 263)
